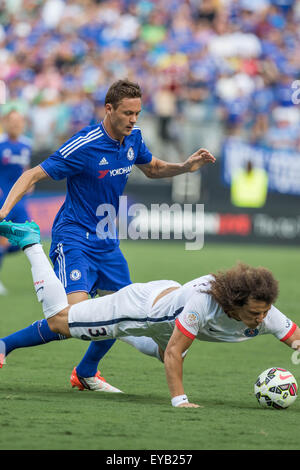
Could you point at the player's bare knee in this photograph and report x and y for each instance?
(59, 322)
(54, 323)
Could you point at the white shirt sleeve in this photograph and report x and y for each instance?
(193, 316)
(278, 324)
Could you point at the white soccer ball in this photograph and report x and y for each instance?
(276, 388)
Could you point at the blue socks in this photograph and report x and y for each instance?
(40, 333)
(35, 334)
(6, 250)
(88, 366)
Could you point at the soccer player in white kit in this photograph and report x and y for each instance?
(229, 306)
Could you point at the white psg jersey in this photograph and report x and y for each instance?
(203, 318)
(130, 311)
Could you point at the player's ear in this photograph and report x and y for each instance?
(108, 108)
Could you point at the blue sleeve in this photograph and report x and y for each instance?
(58, 167)
(144, 155)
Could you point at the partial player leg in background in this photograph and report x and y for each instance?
(3, 249)
(18, 214)
(144, 344)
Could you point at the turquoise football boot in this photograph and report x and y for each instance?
(20, 234)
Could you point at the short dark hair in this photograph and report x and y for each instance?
(122, 89)
(234, 287)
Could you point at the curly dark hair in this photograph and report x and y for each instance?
(232, 288)
(122, 89)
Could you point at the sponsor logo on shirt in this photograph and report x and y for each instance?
(103, 161)
(102, 173)
(116, 172)
(251, 332)
(121, 171)
(9, 158)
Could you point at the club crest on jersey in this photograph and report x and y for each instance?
(251, 332)
(75, 275)
(191, 318)
(130, 153)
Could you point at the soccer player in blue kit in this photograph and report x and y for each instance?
(15, 157)
(96, 163)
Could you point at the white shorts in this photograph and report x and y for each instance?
(124, 313)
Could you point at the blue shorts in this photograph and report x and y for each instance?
(82, 271)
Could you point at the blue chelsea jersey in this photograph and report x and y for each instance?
(97, 168)
(15, 157)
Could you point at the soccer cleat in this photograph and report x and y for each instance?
(96, 383)
(20, 234)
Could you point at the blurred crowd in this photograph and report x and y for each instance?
(238, 57)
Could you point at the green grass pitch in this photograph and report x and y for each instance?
(39, 409)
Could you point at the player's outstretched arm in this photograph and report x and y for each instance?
(160, 169)
(197, 160)
(20, 188)
(294, 340)
(173, 361)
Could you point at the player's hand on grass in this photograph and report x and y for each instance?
(198, 160)
(188, 405)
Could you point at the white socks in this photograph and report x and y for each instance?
(144, 344)
(48, 288)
